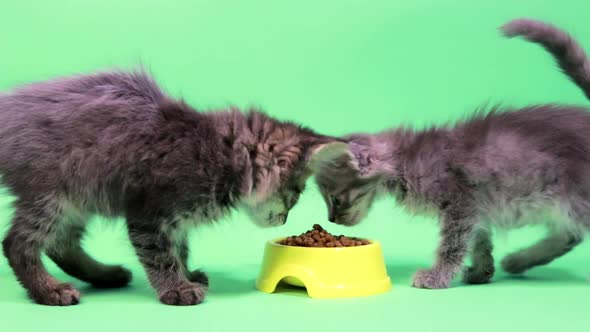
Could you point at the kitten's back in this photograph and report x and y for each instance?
(72, 111)
(561, 131)
(88, 135)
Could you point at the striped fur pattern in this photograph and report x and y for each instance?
(114, 144)
(500, 168)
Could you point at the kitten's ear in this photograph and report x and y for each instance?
(323, 154)
(364, 159)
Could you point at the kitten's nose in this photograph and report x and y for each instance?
(331, 217)
(286, 216)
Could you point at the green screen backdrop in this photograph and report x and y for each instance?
(339, 67)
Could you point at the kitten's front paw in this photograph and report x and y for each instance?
(514, 264)
(478, 275)
(185, 294)
(60, 295)
(199, 276)
(113, 277)
(429, 279)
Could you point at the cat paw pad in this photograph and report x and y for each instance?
(185, 294)
(60, 295)
(429, 279)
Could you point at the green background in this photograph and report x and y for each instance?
(337, 66)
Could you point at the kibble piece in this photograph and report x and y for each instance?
(345, 241)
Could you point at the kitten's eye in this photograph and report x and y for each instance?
(359, 196)
(335, 201)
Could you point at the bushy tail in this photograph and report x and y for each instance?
(569, 55)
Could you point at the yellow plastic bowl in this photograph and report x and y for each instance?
(325, 272)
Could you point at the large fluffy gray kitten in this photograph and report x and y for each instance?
(114, 144)
(504, 168)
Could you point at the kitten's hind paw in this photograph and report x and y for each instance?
(185, 294)
(429, 279)
(479, 275)
(199, 276)
(113, 277)
(515, 264)
(59, 295)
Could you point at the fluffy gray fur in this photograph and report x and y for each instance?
(114, 144)
(501, 167)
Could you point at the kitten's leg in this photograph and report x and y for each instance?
(482, 268)
(68, 254)
(197, 276)
(165, 271)
(457, 227)
(22, 246)
(555, 245)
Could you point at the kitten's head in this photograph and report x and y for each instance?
(283, 157)
(350, 181)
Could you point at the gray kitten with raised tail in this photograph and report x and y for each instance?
(502, 167)
(114, 144)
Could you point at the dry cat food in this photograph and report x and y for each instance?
(319, 237)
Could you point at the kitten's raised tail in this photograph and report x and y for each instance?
(569, 55)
